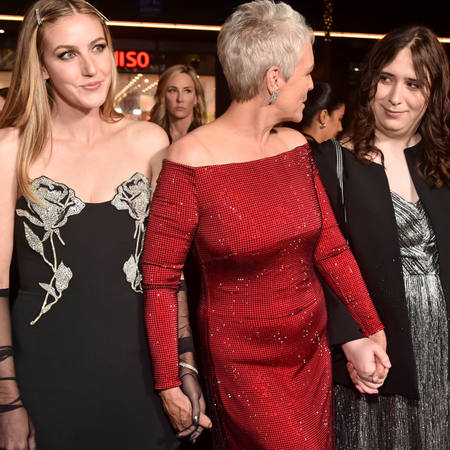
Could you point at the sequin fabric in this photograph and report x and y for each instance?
(134, 196)
(260, 229)
(58, 203)
(391, 422)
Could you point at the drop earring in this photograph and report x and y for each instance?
(273, 97)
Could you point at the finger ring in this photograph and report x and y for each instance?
(196, 420)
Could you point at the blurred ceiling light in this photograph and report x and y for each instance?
(179, 26)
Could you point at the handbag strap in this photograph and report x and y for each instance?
(340, 172)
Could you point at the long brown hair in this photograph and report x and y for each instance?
(432, 70)
(158, 114)
(29, 105)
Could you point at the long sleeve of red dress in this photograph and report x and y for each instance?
(337, 265)
(170, 232)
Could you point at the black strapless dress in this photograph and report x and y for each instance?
(81, 355)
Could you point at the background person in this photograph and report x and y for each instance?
(397, 201)
(323, 114)
(248, 198)
(180, 105)
(3, 95)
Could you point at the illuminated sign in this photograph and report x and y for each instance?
(132, 59)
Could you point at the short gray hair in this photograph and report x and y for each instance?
(257, 36)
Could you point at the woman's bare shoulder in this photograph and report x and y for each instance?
(9, 145)
(190, 150)
(139, 131)
(194, 149)
(291, 138)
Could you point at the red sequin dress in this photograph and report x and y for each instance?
(261, 229)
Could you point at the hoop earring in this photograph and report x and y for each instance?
(273, 97)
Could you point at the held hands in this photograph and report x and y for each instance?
(368, 364)
(186, 406)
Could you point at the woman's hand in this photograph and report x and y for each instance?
(186, 417)
(368, 364)
(16, 431)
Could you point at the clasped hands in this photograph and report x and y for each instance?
(368, 364)
(186, 406)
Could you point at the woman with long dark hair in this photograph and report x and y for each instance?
(396, 214)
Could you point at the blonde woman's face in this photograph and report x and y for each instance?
(77, 61)
(180, 97)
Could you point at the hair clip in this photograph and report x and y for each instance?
(99, 13)
(38, 18)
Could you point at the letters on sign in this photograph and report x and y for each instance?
(132, 59)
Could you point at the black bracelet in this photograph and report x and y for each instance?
(5, 352)
(10, 406)
(4, 293)
(185, 345)
(183, 286)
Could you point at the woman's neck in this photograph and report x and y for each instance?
(179, 127)
(77, 125)
(395, 143)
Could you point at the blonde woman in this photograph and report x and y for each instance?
(180, 105)
(76, 180)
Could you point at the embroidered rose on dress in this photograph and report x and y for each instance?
(134, 195)
(58, 204)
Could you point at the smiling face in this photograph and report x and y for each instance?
(294, 93)
(180, 97)
(77, 62)
(399, 103)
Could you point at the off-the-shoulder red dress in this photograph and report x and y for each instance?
(261, 229)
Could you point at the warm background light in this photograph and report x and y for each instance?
(179, 26)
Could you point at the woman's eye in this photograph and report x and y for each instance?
(99, 48)
(66, 55)
(385, 79)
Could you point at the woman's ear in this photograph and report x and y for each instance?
(45, 73)
(273, 79)
(323, 116)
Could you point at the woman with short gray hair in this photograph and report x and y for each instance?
(249, 199)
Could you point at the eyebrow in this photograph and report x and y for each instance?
(184, 87)
(74, 47)
(395, 76)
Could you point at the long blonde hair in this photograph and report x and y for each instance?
(158, 114)
(29, 105)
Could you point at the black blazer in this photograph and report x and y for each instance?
(372, 234)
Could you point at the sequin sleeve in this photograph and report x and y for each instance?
(172, 223)
(335, 262)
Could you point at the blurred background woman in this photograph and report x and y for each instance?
(3, 95)
(248, 198)
(323, 114)
(76, 181)
(397, 203)
(180, 105)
